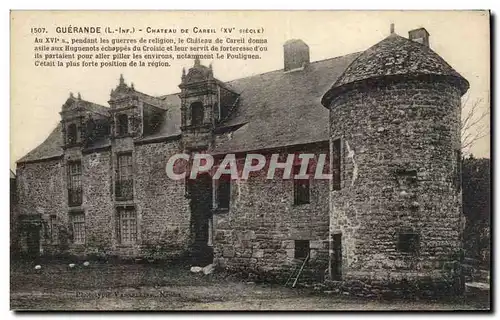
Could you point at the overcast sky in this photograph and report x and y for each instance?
(37, 94)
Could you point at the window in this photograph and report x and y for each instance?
(300, 188)
(127, 225)
(223, 192)
(72, 134)
(78, 226)
(124, 177)
(301, 249)
(336, 162)
(196, 113)
(406, 178)
(74, 183)
(408, 242)
(122, 127)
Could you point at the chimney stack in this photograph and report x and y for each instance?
(419, 35)
(296, 54)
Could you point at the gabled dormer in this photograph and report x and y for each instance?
(199, 97)
(134, 114)
(125, 113)
(205, 102)
(83, 122)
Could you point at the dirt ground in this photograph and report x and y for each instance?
(158, 287)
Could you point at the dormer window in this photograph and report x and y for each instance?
(196, 113)
(122, 125)
(72, 134)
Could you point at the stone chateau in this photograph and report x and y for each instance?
(388, 117)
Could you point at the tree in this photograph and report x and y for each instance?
(472, 126)
(476, 207)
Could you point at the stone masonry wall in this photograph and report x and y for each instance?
(40, 188)
(161, 202)
(97, 202)
(399, 165)
(258, 233)
(162, 210)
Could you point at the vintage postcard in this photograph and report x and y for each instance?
(250, 160)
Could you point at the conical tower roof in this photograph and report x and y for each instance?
(395, 56)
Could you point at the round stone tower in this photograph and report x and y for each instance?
(396, 217)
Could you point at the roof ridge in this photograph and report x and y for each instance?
(271, 71)
(276, 70)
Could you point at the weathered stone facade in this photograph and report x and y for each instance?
(398, 175)
(259, 231)
(164, 209)
(40, 188)
(400, 156)
(391, 213)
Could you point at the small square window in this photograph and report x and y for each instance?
(409, 242)
(301, 249)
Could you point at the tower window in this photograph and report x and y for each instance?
(122, 125)
(409, 242)
(72, 134)
(301, 249)
(196, 113)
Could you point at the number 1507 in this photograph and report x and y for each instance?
(38, 30)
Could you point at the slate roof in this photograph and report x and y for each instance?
(171, 125)
(154, 101)
(395, 56)
(73, 102)
(96, 108)
(282, 108)
(50, 148)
